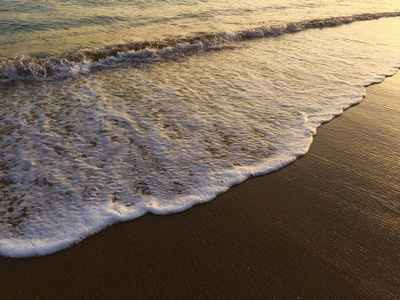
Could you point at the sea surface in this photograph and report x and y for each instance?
(113, 109)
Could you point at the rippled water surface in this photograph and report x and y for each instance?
(55, 27)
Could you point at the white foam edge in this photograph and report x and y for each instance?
(35, 247)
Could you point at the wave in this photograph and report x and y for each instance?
(85, 60)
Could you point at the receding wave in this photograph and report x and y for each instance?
(77, 156)
(83, 61)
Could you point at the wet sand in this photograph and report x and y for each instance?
(324, 227)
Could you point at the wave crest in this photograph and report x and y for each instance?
(83, 61)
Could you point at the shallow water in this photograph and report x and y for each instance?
(162, 129)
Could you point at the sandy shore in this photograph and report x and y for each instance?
(324, 227)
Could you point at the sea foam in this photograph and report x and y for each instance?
(79, 155)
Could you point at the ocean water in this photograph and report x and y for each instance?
(113, 109)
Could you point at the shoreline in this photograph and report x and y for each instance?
(324, 227)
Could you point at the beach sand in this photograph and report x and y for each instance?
(324, 227)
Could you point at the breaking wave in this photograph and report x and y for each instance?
(138, 52)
